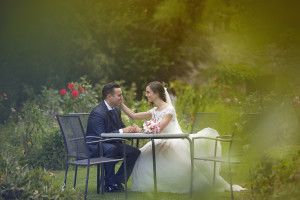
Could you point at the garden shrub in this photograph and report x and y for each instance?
(277, 177)
(23, 182)
(36, 133)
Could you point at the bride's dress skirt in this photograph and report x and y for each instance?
(173, 166)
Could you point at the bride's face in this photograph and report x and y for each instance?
(151, 96)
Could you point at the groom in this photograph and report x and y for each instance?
(106, 118)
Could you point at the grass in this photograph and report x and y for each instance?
(92, 189)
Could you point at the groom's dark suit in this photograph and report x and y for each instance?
(101, 120)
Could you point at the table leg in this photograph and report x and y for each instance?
(154, 166)
(192, 165)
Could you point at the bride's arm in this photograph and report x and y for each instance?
(133, 115)
(165, 121)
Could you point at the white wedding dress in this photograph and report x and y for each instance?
(173, 162)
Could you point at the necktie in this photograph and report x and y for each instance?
(113, 114)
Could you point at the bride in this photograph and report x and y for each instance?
(173, 156)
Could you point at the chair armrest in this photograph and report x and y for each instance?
(106, 140)
(209, 138)
(97, 137)
(75, 139)
(224, 136)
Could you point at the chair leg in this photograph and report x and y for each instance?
(75, 178)
(66, 175)
(214, 177)
(192, 166)
(230, 178)
(87, 181)
(102, 179)
(125, 169)
(98, 178)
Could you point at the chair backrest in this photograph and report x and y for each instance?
(249, 124)
(203, 120)
(248, 127)
(83, 117)
(74, 136)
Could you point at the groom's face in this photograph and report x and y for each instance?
(117, 98)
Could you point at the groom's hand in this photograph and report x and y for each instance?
(129, 129)
(137, 129)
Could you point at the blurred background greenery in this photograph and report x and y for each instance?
(228, 56)
(49, 43)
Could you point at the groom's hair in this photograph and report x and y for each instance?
(109, 89)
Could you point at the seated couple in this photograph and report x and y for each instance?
(172, 156)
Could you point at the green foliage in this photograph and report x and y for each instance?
(35, 131)
(22, 182)
(49, 153)
(231, 73)
(277, 177)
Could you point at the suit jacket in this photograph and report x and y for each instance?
(101, 121)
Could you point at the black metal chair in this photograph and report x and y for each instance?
(76, 148)
(230, 158)
(203, 120)
(83, 118)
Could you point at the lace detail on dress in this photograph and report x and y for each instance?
(158, 115)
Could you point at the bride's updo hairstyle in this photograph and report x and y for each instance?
(159, 89)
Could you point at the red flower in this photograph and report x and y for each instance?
(215, 79)
(80, 89)
(74, 94)
(71, 86)
(62, 92)
(4, 94)
(192, 117)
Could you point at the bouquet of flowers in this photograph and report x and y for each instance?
(151, 127)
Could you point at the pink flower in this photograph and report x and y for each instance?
(227, 100)
(4, 94)
(62, 92)
(71, 86)
(74, 94)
